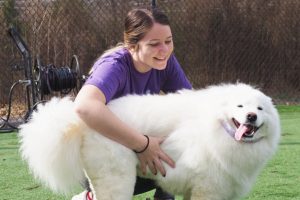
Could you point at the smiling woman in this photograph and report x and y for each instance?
(143, 64)
(154, 50)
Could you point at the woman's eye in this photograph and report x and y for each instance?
(154, 44)
(168, 42)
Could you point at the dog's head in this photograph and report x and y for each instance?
(249, 115)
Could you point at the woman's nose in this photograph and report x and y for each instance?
(164, 48)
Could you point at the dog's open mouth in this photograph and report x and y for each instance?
(244, 131)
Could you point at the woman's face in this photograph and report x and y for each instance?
(154, 49)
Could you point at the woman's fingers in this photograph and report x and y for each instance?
(154, 156)
(164, 157)
(152, 167)
(143, 165)
(160, 167)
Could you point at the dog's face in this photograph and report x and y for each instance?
(250, 116)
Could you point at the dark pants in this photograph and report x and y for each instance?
(143, 185)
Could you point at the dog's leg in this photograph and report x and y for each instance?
(110, 167)
(198, 194)
(112, 182)
(113, 187)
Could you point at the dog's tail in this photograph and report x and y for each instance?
(50, 143)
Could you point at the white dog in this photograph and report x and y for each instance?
(219, 137)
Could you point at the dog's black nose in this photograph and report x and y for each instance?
(251, 117)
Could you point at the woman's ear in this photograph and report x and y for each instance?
(133, 48)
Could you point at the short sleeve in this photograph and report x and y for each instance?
(108, 76)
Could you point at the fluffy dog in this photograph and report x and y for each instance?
(220, 138)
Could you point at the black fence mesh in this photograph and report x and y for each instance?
(252, 41)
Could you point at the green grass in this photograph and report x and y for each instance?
(280, 180)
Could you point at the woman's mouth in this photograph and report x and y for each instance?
(160, 58)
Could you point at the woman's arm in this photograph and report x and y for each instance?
(90, 107)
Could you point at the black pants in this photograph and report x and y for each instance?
(144, 185)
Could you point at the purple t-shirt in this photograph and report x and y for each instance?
(116, 76)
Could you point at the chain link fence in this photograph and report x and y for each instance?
(252, 41)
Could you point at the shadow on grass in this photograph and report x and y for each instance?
(289, 143)
(8, 148)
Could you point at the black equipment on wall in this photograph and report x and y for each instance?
(40, 80)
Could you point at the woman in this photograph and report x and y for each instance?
(143, 64)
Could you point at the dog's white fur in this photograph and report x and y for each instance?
(210, 164)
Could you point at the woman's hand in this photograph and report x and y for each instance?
(153, 157)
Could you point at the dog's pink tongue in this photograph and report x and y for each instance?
(240, 132)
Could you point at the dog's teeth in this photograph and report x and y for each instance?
(251, 134)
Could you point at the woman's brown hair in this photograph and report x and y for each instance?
(139, 21)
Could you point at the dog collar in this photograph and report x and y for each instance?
(228, 128)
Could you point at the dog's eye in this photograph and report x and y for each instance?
(240, 106)
(259, 108)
